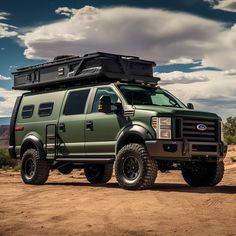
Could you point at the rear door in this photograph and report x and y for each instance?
(71, 125)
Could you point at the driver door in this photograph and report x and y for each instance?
(101, 129)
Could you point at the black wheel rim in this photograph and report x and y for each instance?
(131, 168)
(29, 168)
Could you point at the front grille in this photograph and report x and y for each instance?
(186, 128)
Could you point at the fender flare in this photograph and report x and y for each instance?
(131, 130)
(37, 143)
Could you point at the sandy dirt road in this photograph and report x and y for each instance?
(69, 205)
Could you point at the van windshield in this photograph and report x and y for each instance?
(145, 95)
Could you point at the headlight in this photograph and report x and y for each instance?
(221, 131)
(162, 126)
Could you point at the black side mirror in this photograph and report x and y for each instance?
(104, 104)
(119, 110)
(190, 106)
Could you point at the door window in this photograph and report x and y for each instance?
(76, 101)
(107, 92)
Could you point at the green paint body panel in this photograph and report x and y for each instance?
(77, 140)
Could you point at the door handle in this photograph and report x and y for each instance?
(89, 125)
(62, 127)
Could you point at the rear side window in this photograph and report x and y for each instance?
(45, 109)
(76, 102)
(27, 111)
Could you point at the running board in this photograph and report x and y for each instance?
(87, 160)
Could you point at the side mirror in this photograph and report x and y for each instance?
(104, 104)
(190, 106)
(119, 110)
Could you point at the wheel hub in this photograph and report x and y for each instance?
(29, 168)
(131, 168)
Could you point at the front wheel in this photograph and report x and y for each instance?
(203, 173)
(134, 168)
(34, 170)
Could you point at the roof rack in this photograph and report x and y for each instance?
(91, 68)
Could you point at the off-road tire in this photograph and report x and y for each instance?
(98, 173)
(66, 169)
(203, 174)
(147, 167)
(40, 171)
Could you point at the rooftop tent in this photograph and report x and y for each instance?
(91, 68)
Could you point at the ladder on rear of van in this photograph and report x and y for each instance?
(51, 141)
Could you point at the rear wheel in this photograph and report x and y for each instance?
(134, 168)
(34, 170)
(98, 173)
(203, 174)
(66, 169)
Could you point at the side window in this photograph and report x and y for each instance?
(76, 102)
(45, 109)
(27, 111)
(104, 91)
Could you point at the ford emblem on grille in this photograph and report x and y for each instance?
(201, 127)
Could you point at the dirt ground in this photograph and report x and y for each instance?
(69, 205)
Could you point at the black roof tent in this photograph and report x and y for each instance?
(91, 68)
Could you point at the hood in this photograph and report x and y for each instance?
(177, 112)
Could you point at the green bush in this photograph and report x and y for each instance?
(230, 139)
(6, 161)
(230, 130)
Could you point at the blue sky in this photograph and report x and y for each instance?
(193, 42)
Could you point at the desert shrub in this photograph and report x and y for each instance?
(5, 160)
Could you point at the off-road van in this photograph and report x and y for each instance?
(103, 110)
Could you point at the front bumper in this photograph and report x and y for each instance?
(186, 151)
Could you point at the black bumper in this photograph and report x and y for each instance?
(186, 151)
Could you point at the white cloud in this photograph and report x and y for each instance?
(214, 91)
(4, 77)
(66, 11)
(230, 72)
(6, 30)
(3, 15)
(225, 5)
(151, 33)
(181, 60)
(224, 53)
(179, 77)
(7, 101)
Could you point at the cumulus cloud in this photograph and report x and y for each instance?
(181, 60)
(6, 30)
(3, 15)
(224, 55)
(230, 72)
(225, 5)
(151, 33)
(4, 77)
(7, 101)
(215, 92)
(179, 77)
(66, 11)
